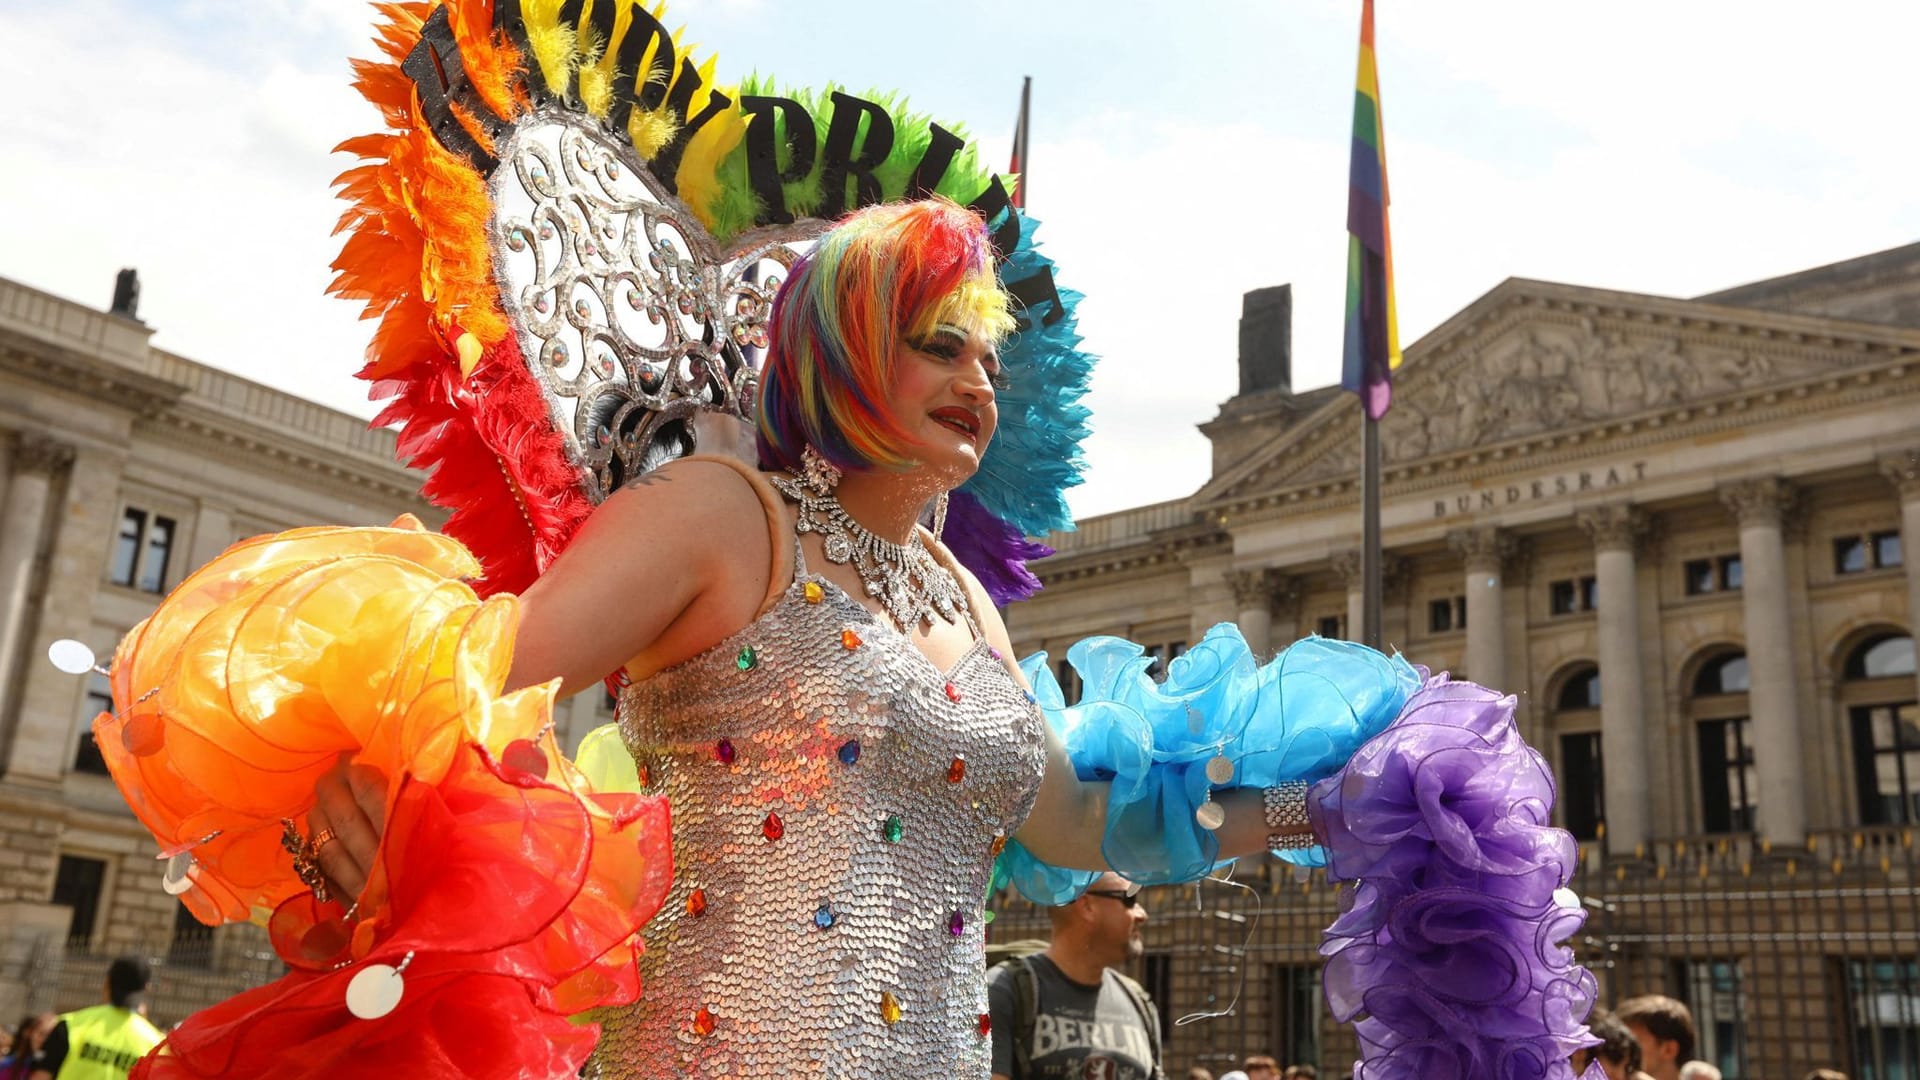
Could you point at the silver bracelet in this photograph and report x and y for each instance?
(1290, 829)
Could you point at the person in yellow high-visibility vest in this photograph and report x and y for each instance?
(103, 1042)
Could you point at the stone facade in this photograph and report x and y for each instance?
(1599, 501)
(102, 433)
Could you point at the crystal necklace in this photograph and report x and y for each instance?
(905, 578)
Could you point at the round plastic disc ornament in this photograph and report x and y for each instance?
(71, 656)
(521, 755)
(1210, 815)
(376, 991)
(1219, 769)
(175, 881)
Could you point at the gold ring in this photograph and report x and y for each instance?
(306, 865)
(320, 839)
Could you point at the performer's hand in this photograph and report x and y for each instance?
(351, 801)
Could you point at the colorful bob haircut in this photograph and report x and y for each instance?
(884, 275)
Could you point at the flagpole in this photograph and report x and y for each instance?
(1370, 572)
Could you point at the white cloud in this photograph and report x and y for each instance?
(1643, 145)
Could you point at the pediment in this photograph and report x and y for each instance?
(1532, 358)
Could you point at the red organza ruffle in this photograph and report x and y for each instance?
(511, 890)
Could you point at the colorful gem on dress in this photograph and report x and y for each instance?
(824, 918)
(723, 751)
(953, 693)
(956, 924)
(747, 658)
(703, 1021)
(889, 1007)
(999, 845)
(893, 829)
(849, 640)
(984, 1025)
(1031, 699)
(957, 771)
(773, 828)
(850, 751)
(697, 903)
(812, 592)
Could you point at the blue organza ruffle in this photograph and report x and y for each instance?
(1300, 716)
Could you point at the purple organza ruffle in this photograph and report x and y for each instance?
(1447, 956)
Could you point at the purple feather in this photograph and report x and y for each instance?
(994, 550)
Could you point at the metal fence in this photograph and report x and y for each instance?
(191, 972)
(1789, 960)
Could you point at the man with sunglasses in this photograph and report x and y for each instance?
(1064, 1013)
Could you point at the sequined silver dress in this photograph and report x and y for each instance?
(837, 803)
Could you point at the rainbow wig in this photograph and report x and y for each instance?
(884, 275)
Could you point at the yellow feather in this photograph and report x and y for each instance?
(651, 130)
(552, 43)
(698, 178)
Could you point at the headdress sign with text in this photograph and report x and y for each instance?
(572, 235)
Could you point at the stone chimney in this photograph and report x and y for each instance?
(126, 295)
(1266, 340)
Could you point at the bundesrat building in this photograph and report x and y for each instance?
(1679, 530)
(1676, 529)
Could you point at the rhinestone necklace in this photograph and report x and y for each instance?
(905, 578)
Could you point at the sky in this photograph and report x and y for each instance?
(1178, 160)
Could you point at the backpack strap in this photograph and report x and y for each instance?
(1026, 1004)
(1149, 1016)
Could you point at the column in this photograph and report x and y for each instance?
(1616, 530)
(1256, 593)
(1392, 576)
(1346, 566)
(22, 522)
(1485, 552)
(1903, 471)
(1773, 699)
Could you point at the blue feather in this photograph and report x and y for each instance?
(1036, 455)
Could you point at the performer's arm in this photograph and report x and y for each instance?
(1069, 818)
(679, 558)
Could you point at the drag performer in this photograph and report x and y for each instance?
(777, 862)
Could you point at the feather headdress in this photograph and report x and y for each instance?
(571, 236)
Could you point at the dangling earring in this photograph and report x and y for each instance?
(939, 516)
(820, 474)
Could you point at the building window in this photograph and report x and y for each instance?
(86, 757)
(1886, 730)
(1719, 574)
(1729, 787)
(192, 942)
(1296, 1011)
(1582, 778)
(1884, 1023)
(1886, 550)
(1163, 656)
(1068, 678)
(1873, 551)
(1447, 614)
(1582, 784)
(1332, 626)
(1573, 595)
(79, 883)
(1715, 992)
(1581, 691)
(141, 552)
(1156, 977)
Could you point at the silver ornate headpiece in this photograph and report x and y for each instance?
(628, 314)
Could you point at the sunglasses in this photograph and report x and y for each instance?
(1128, 898)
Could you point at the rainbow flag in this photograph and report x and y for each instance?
(1373, 331)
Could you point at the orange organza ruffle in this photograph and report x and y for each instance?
(516, 889)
